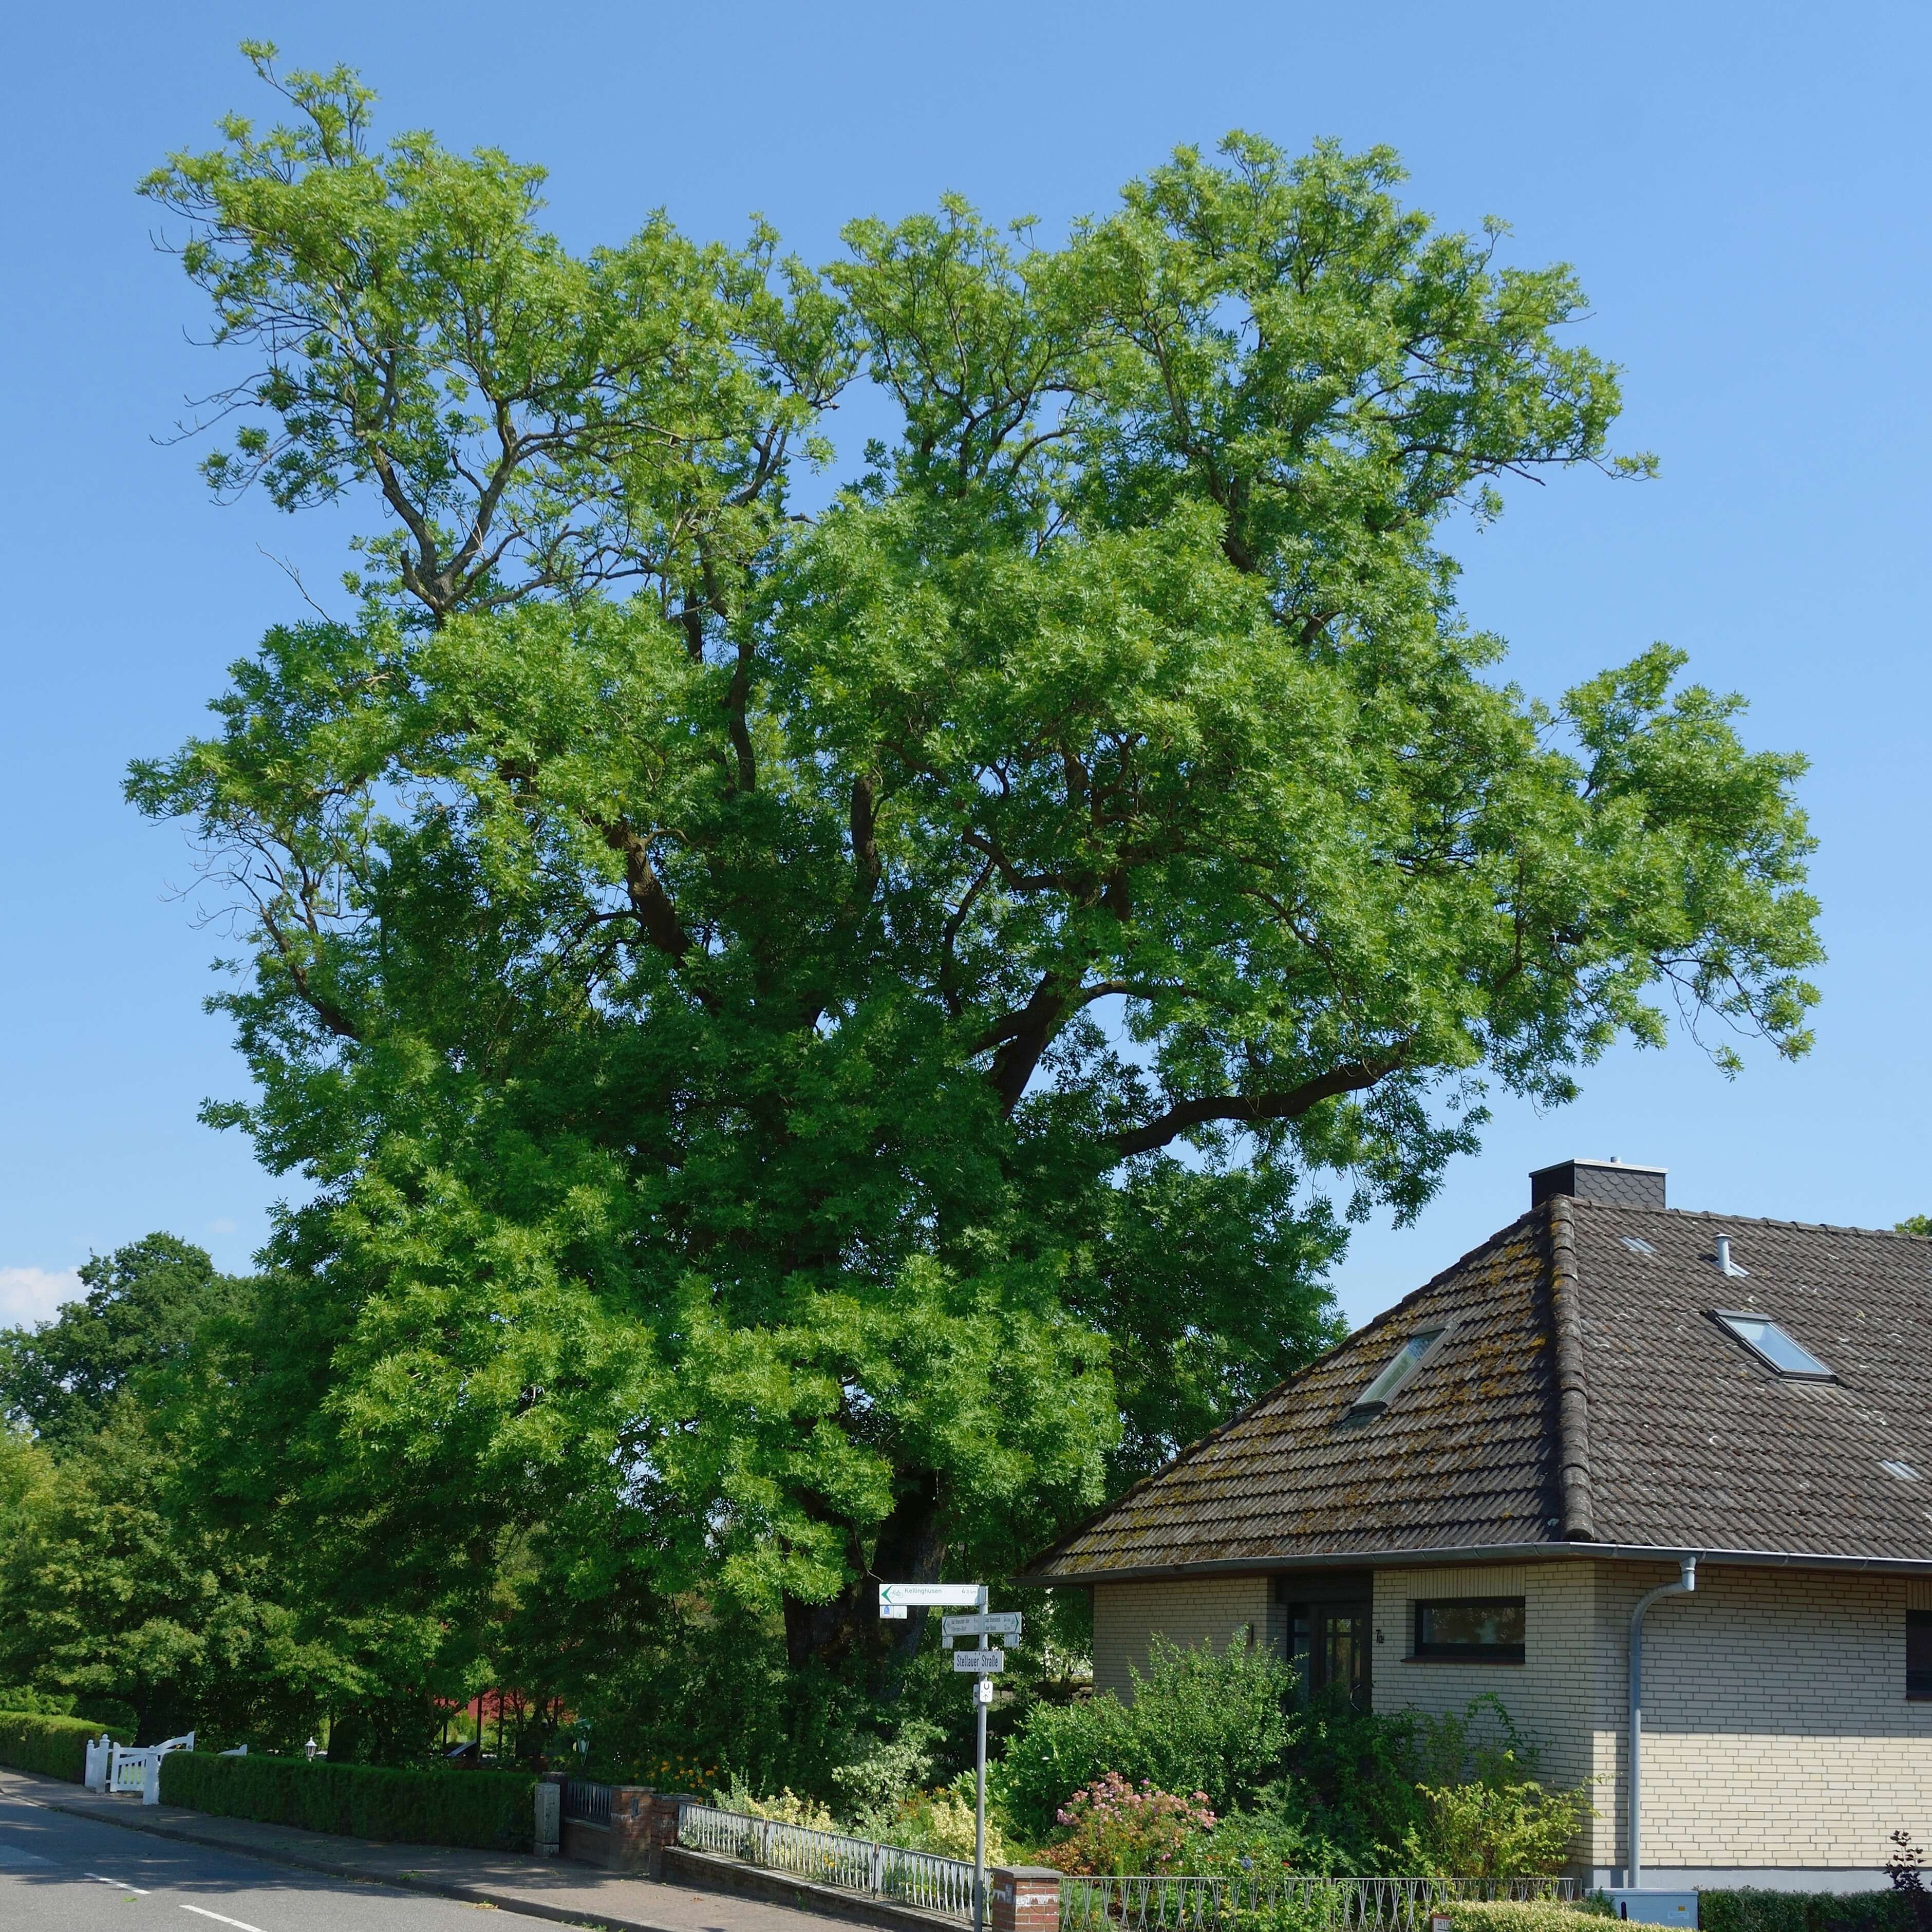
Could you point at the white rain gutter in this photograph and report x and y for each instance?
(1685, 1583)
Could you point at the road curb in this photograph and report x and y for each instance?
(404, 1881)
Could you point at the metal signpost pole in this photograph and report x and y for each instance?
(982, 1696)
(984, 1660)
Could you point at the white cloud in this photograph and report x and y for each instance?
(29, 1294)
(224, 1227)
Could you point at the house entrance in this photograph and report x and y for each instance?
(1326, 1634)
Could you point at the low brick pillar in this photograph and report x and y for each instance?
(1023, 1898)
(661, 1829)
(630, 1827)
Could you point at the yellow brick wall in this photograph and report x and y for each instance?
(1776, 1730)
(1777, 1733)
(1548, 1695)
(1212, 1610)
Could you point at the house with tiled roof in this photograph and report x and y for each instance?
(1661, 1480)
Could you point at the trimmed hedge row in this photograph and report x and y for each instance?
(1750, 1909)
(54, 1747)
(1522, 1914)
(1744, 1910)
(488, 1810)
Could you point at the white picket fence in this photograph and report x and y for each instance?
(121, 1771)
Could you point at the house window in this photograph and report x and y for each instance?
(1772, 1345)
(1470, 1629)
(1918, 1656)
(1406, 1360)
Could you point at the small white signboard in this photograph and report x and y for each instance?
(983, 1623)
(932, 1596)
(979, 1659)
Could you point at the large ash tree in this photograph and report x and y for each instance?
(824, 1041)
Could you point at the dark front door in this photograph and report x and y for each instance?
(1327, 1637)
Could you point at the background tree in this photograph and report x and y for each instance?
(114, 1594)
(819, 1040)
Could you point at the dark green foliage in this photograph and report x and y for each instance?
(1200, 1721)
(143, 1304)
(490, 1810)
(54, 1747)
(817, 1046)
(1750, 1909)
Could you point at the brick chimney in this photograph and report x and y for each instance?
(1614, 1182)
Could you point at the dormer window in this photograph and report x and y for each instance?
(1406, 1360)
(1772, 1345)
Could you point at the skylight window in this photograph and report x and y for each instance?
(1637, 1245)
(1904, 1471)
(1771, 1344)
(1407, 1359)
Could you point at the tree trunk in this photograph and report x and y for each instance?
(847, 1630)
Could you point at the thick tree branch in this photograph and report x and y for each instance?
(865, 839)
(1251, 1109)
(648, 899)
(331, 1015)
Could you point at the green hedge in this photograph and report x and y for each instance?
(1748, 1909)
(491, 1810)
(1524, 1915)
(54, 1747)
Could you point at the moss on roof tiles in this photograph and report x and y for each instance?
(1681, 1437)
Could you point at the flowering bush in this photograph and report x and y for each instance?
(1112, 1825)
(942, 1821)
(786, 1808)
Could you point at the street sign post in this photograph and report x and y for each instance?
(983, 1661)
(992, 1623)
(895, 1600)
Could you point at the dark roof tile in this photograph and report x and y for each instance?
(1669, 1433)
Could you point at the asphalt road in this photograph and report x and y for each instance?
(69, 1874)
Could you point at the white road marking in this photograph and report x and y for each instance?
(242, 1925)
(138, 1890)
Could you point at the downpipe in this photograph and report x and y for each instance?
(1686, 1583)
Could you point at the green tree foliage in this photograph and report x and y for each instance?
(117, 1597)
(818, 1039)
(143, 1305)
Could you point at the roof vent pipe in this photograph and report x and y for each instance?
(1687, 1581)
(1725, 1266)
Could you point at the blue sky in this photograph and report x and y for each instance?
(1744, 190)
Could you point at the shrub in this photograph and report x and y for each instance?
(54, 1746)
(1213, 1721)
(786, 1808)
(1512, 1830)
(1112, 1826)
(491, 1810)
(1538, 1915)
(1748, 1909)
(942, 1822)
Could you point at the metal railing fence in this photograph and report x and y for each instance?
(1255, 1902)
(921, 1879)
(586, 1802)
